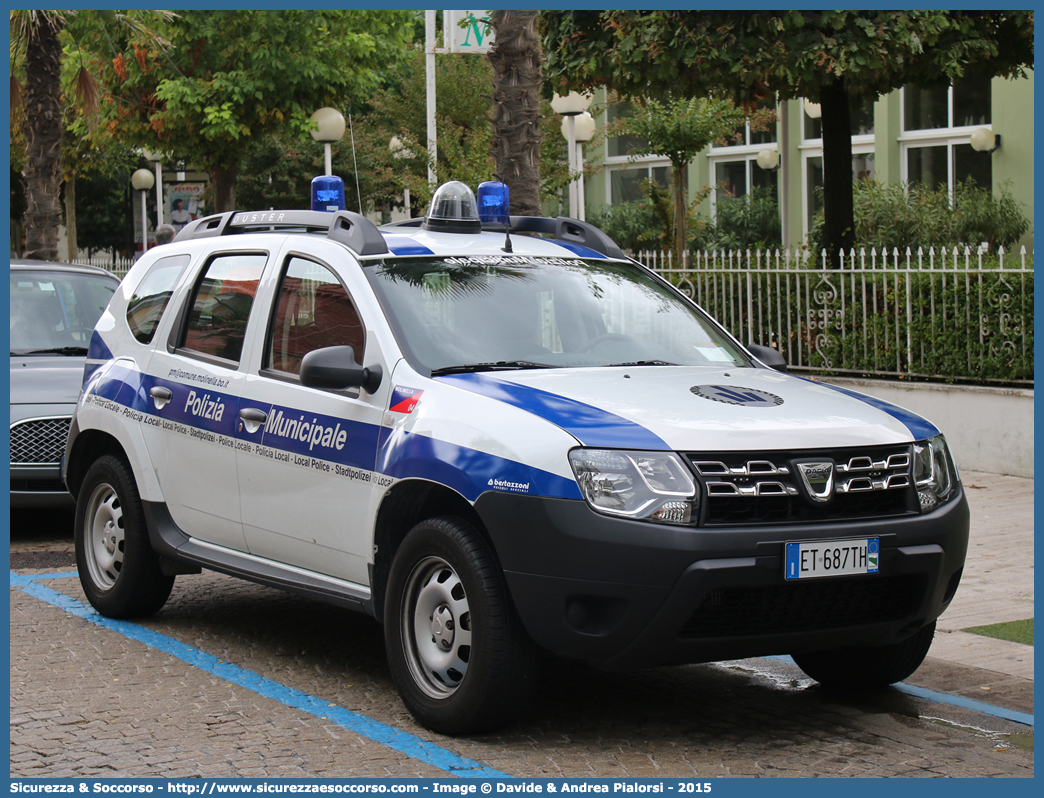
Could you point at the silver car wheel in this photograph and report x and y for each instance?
(103, 520)
(436, 627)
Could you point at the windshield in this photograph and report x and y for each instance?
(460, 314)
(55, 312)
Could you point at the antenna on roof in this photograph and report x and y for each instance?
(355, 164)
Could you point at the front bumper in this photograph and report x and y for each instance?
(627, 594)
(39, 486)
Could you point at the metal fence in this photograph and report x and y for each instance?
(952, 314)
(119, 266)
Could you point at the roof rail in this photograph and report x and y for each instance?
(562, 228)
(352, 229)
(572, 230)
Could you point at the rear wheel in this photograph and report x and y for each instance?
(119, 571)
(458, 653)
(866, 668)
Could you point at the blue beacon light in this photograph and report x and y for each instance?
(327, 193)
(493, 201)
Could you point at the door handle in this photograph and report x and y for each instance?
(160, 396)
(252, 418)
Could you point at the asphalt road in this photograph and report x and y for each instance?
(236, 680)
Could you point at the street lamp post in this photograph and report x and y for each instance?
(143, 181)
(331, 129)
(400, 152)
(571, 106)
(583, 132)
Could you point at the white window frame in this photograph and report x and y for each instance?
(619, 163)
(813, 148)
(935, 137)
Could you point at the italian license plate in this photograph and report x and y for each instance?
(815, 558)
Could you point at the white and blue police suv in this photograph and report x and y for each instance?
(498, 438)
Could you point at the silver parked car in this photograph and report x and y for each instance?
(54, 307)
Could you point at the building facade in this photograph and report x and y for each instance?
(912, 135)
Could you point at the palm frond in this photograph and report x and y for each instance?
(87, 96)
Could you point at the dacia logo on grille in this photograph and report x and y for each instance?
(818, 478)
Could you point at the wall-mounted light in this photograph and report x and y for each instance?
(814, 110)
(985, 140)
(768, 160)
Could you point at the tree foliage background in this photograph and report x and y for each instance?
(826, 55)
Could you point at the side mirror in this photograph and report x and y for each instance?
(769, 356)
(334, 367)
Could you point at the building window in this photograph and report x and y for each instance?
(937, 128)
(625, 184)
(861, 113)
(862, 168)
(734, 167)
(738, 178)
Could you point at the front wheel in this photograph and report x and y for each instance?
(868, 668)
(119, 571)
(458, 653)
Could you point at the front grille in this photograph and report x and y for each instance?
(767, 487)
(39, 441)
(805, 606)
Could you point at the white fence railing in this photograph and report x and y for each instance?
(951, 313)
(119, 266)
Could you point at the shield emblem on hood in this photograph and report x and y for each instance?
(818, 478)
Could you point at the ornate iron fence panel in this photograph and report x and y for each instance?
(952, 313)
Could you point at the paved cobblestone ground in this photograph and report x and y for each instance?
(89, 702)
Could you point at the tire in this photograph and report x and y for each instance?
(119, 571)
(854, 669)
(459, 656)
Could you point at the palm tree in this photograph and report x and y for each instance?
(518, 64)
(37, 32)
(36, 42)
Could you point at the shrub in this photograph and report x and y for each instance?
(889, 215)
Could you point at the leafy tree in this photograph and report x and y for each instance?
(681, 128)
(231, 76)
(36, 54)
(464, 133)
(517, 80)
(826, 55)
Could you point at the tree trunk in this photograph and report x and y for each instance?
(223, 184)
(681, 232)
(43, 135)
(838, 215)
(517, 78)
(70, 216)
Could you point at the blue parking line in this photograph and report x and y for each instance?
(408, 744)
(945, 698)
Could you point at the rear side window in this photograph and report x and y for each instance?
(151, 296)
(313, 311)
(221, 306)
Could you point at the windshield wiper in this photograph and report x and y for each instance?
(57, 350)
(644, 363)
(500, 365)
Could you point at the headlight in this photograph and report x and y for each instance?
(934, 472)
(647, 486)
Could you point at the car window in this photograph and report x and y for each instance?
(152, 294)
(452, 312)
(313, 311)
(51, 310)
(221, 305)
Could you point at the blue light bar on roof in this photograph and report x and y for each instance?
(494, 204)
(327, 193)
